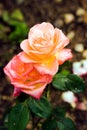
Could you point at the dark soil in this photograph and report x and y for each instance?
(37, 11)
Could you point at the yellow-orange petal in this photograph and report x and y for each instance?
(27, 58)
(49, 66)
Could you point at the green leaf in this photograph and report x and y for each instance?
(20, 31)
(6, 16)
(59, 81)
(49, 124)
(76, 83)
(17, 14)
(41, 108)
(65, 65)
(65, 72)
(66, 124)
(59, 112)
(69, 82)
(18, 117)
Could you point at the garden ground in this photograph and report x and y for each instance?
(68, 15)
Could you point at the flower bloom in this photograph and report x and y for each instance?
(80, 68)
(45, 47)
(73, 100)
(70, 98)
(26, 78)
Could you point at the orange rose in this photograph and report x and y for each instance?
(26, 78)
(45, 48)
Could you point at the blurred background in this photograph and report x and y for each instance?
(18, 16)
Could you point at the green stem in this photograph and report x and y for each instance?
(48, 92)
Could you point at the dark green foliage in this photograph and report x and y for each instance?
(41, 108)
(18, 117)
(58, 120)
(59, 112)
(49, 124)
(18, 29)
(66, 124)
(69, 82)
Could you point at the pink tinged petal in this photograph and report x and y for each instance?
(10, 72)
(64, 55)
(60, 40)
(40, 31)
(37, 91)
(44, 27)
(63, 39)
(25, 58)
(16, 63)
(34, 36)
(31, 84)
(25, 46)
(26, 67)
(50, 68)
(16, 68)
(48, 78)
(16, 92)
(6, 71)
(81, 106)
(47, 29)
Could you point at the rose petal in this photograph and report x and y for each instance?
(26, 58)
(49, 67)
(37, 91)
(63, 39)
(25, 46)
(42, 79)
(10, 72)
(44, 27)
(80, 67)
(63, 55)
(16, 68)
(60, 39)
(16, 92)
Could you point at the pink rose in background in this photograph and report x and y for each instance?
(45, 48)
(26, 78)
